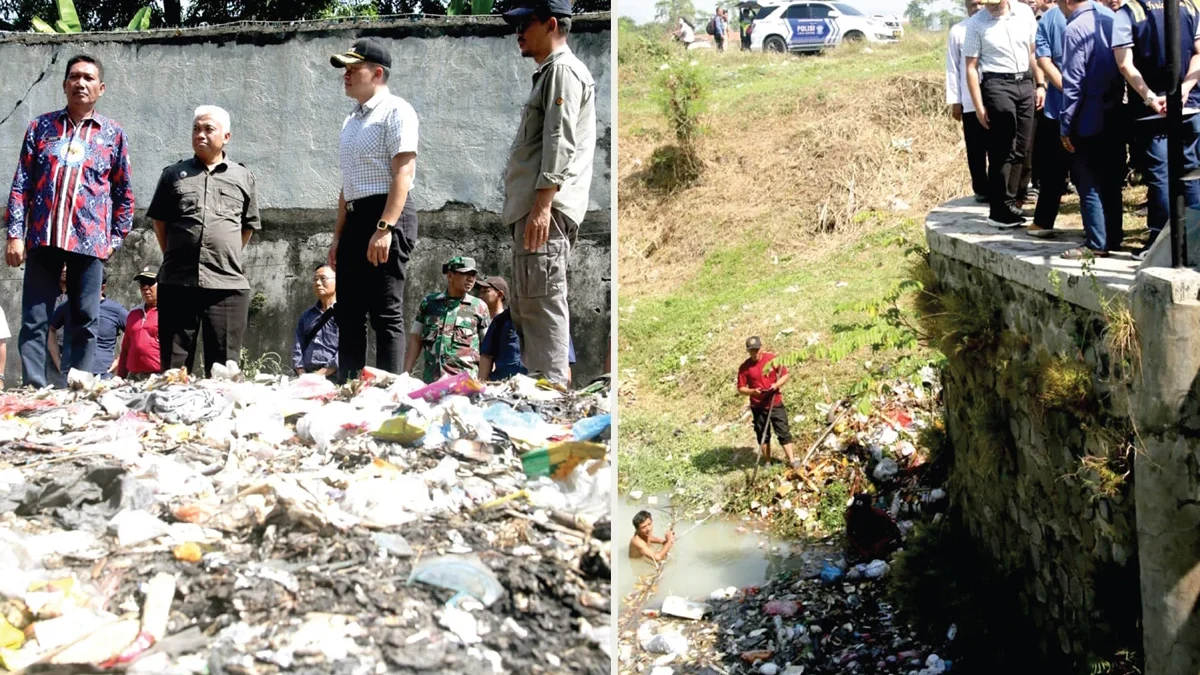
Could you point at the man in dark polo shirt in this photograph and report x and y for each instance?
(762, 382)
(204, 211)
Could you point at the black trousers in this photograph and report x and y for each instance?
(372, 290)
(218, 315)
(1053, 163)
(975, 136)
(1010, 108)
(765, 419)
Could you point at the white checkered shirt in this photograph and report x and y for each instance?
(372, 135)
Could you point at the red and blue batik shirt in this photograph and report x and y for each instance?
(73, 189)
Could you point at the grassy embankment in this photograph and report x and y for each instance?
(818, 172)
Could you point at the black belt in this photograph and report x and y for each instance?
(364, 202)
(1012, 77)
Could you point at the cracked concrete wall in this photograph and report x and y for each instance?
(464, 76)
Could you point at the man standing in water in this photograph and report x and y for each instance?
(643, 537)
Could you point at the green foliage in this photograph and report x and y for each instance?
(831, 512)
(67, 22)
(918, 14)
(269, 363)
(670, 10)
(257, 303)
(141, 20)
(1065, 385)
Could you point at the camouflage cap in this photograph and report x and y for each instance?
(459, 263)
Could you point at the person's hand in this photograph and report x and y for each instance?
(981, 115)
(537, 229)
(1157, 104)
(956, 112)
(377, 248)
(1067, 145)
(14, 254)
(670, 535)
(331, 259)
(1185, 90)
(1040, 97)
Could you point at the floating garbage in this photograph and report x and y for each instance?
(270, 524)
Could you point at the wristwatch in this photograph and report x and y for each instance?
(383, 225)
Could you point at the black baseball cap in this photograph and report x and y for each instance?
(363, 49)
(148, 275)
(753, 342)
(540, 7)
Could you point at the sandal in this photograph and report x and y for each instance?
(1083, 253)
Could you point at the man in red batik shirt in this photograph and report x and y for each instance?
(71, 202)
(762, 383)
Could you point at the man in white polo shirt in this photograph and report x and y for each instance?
(376, 225)
(1006, 88)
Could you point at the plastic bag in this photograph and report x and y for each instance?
(590, 427)
(830, 573)
(465, 575)
(668, 643)
(388, 502)
(462, 384)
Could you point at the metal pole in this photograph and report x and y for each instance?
(1174, 140)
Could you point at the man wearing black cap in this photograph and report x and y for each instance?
(762, 385)
(546, 183)
(500, 351)
(140, 349)
(376, 225)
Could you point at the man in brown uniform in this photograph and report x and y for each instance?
(204, 211)
(546, 184)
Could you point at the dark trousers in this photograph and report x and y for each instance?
(1153, 141)
(1010, 107)
(975, 137)
(1053, 162)
(43, 270)
(1099, 172)
(218, 315)
(372, 290)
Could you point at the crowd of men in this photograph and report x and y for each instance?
(72, 205)
(1075, 89)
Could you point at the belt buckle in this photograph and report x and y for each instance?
(350, 207)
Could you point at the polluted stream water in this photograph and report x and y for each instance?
(716, 553)
(276, 524)
(732, 599)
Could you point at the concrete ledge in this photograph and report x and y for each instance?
(959, 230)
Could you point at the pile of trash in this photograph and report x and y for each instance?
(276, 524)
(836, 619)
(787, 626)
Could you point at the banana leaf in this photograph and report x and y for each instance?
(456, 7)
(62, 27)
(479, 7)
(67, 17)
(42, 27)
(141, 20)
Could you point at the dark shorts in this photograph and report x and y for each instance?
(778, 418)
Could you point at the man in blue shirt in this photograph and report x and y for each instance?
(315, 349)
(1049, 158)
(1137, 36)
(500, 351)
(1091, 100)
(721, 24)
(109, 326)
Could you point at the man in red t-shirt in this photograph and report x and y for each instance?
(762, 384)
(139, 351)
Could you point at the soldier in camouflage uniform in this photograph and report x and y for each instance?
(449, 326)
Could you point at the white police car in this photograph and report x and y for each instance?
(813, 26)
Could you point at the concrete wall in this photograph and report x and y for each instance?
(464, 77)
(1098, 562)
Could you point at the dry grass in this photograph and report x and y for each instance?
(807, 169)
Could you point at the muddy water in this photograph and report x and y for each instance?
(711, 556)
